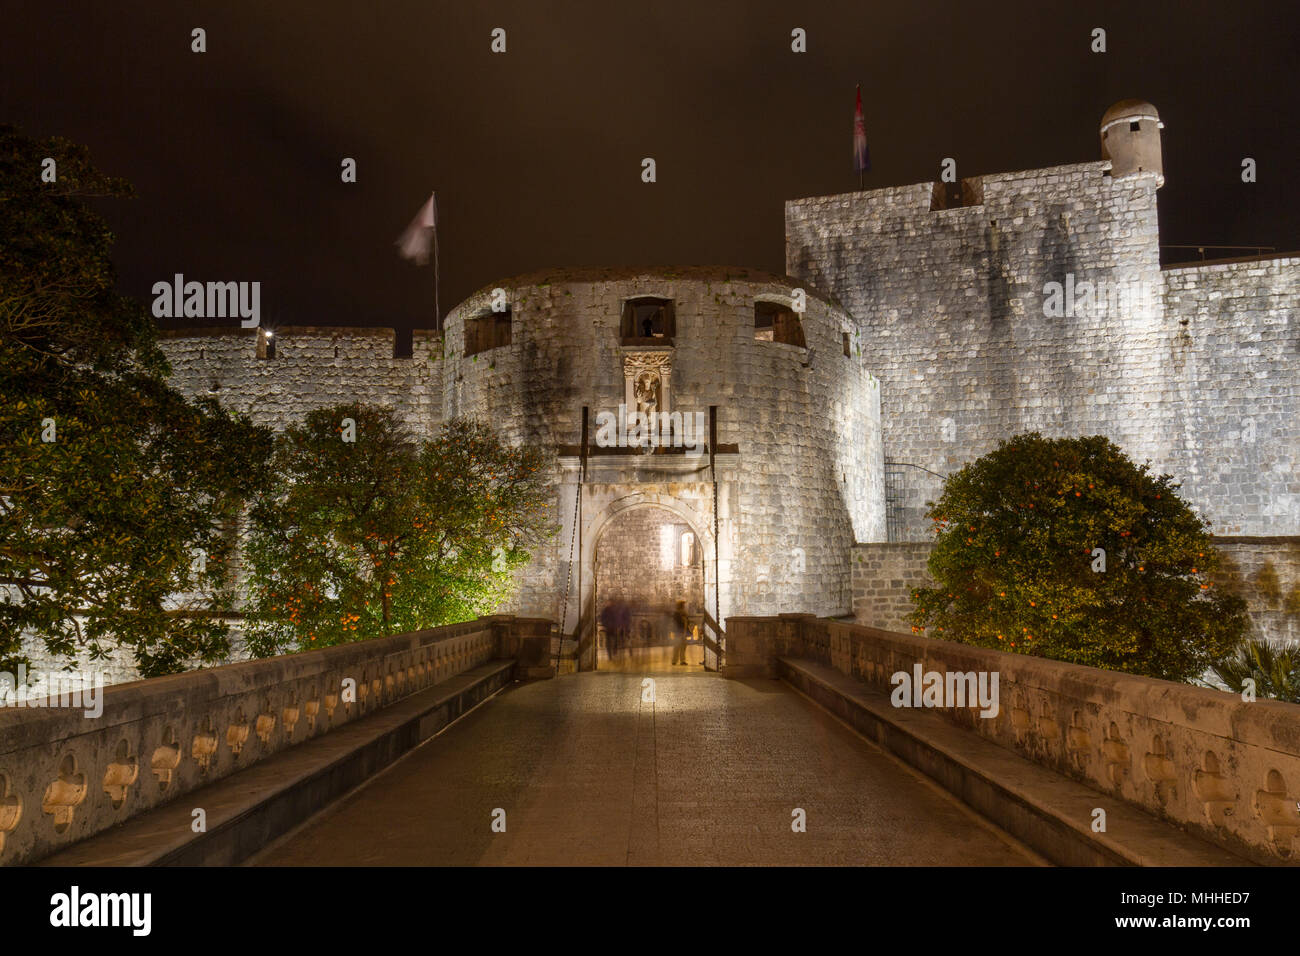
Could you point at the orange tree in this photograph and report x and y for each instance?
(117, 494)
(1064, 548)
(369, 532)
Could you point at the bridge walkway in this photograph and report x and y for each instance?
(588, 772)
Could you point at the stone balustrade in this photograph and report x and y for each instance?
(65, 776)
(1202, 759)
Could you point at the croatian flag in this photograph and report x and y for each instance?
(415, 243)
(861, 158)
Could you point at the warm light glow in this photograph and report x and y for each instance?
(667, 546)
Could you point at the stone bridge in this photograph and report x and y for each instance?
(459, 745)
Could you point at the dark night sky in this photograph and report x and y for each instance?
(536, 153)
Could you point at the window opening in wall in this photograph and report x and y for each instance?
(403, 343)
(688, 549)
(265, 344)
(894, 485)
(848, 348)
(956, 195)
(1134, 126)
(775, 322)
(489, 331)
(648, 320)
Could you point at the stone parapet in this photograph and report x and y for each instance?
(1203, 760)
(65, 776)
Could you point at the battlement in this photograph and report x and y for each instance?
(950, 287)
(987, 189)
(1276, 261)
(277, 375)
(325, 331)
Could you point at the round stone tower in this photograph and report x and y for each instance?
(762, 461)
(1130, 139)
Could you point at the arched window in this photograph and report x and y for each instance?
(688, 549)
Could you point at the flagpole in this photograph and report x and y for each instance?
(437, 283)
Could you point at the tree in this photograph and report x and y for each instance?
(384, 534)
(116, 493)
(1275, 670)
(1064, 548)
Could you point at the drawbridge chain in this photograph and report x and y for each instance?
(568, 578)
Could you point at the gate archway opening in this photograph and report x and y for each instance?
(646, 560)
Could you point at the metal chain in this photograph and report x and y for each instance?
(568, 578)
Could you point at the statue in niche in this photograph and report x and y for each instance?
(646, 392)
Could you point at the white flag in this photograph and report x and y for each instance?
(415, 243)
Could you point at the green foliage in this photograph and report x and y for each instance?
(1275, 670)
(58, 304)
(114, 533)
(386, 534)
(1014, 562)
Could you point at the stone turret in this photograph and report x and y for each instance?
(1130, 139)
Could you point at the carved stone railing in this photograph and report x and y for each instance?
(1203, 759)
(65, 776)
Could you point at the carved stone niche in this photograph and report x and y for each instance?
(647, 376)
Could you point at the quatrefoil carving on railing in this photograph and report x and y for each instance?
(290, 715)
(237, 734)
(11, 810)
(1279, 811)
(265, 724)
(123, 771)
(1115, 752)
(204, 746)
(166, 758)
(64, 794)
(1217, 793)
(1160, 768)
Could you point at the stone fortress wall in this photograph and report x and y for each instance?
(805, 479)
(1200, 373)
(312, 367)
(941, 290)
(1194, 367)
(802, 483)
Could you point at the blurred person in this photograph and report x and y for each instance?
(681, 625)
(623, 623)
(609, 620)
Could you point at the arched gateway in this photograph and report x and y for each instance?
(736, 400)
(727, 405)
(647, 562)
(617, 509)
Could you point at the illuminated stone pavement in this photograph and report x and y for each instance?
(588, 773)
